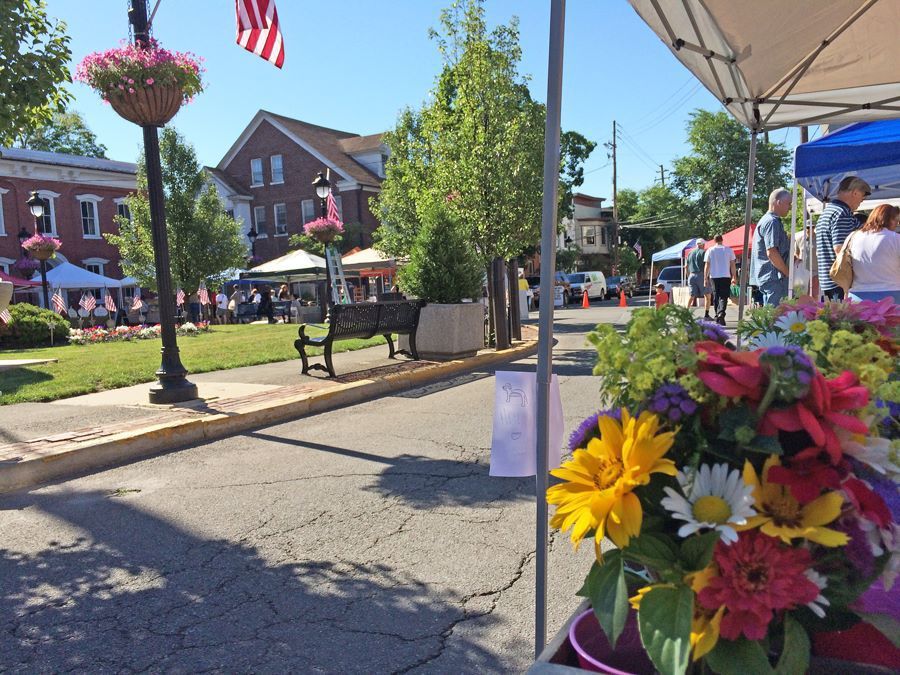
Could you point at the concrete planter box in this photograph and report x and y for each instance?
(448, 332)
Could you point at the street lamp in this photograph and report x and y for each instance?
(252, 235)
(36, 206)
(322, 187)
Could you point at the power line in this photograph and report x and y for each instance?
(675, 107)
(653, 111)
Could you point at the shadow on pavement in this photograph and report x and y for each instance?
(568, 363)
(136, 593)
(12, 380)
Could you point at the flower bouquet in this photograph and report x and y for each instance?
(751, 496)
(41, 247)
(144, 84)
(324, 230)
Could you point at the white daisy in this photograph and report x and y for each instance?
(713, 498)
(792, 322)
(766, 340)
(818, 605)
(877, 452)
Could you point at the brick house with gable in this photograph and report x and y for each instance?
(266, 178)
(82, 196)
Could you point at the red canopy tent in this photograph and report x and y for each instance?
(19, 282)
(734, 239)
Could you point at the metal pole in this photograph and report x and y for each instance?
(172, 384)
(615, 237)
(515, 311)
(748, 215)
(545, 341)
(326, 306)
(790, 261)
(44, 283)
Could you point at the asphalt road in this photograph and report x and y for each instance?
(366, 540)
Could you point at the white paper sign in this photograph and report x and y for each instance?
(514, 441)
(559, 297)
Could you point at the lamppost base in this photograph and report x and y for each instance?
(173, 390)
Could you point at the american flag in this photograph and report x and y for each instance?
(179, 297)
(332, 208)
(58, 303)
(88, 302)
(258, 31)
(110, 304)
(5, 316)
(136, 303)
(638, 249)
(204, 295)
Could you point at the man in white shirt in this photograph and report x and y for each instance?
(221, 307)
(720, 272)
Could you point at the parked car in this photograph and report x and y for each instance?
(613, 284)
(534, 283)
(592, 282)
(669, 277)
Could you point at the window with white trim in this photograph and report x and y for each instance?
(2, 226)
(589, 236)
(47, 222)
(128, 293)
(307, 211)
(259, 219)
(95, 265)
(6, 264)
(277, 169)
(280, 220)
(89, 225)
(122, 209)
(603, 236)
(256, 173)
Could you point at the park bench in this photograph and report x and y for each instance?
(246, 311)
(363, 321)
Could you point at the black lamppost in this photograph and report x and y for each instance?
(252, 235)
(36, 205)
(323, 186)
(172, 385)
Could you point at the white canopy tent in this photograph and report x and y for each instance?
(295, 264)
(772, 64)
(367, 259)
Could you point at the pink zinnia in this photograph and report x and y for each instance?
(758, 576)
(150, 80)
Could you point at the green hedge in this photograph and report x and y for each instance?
(30, 327)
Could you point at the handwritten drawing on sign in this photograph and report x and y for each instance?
(514, 442)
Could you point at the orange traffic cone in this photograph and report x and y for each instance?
(585, 302)
(622, 301)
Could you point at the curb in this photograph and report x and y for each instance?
(155, 439)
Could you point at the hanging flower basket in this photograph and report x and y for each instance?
(324, 230)
(41, 247)
(146, 86)
(26, 267)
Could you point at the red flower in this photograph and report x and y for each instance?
(807, 473)
(730, 373)
(758, 576)
(820, 411)
(867, 502)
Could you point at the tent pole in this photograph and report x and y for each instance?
(545, 336)
(748, 215)
(790, 263)
(650, 292)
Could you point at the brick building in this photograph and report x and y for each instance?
(265, 179)
(81, 197)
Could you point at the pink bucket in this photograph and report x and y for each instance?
(595, 653)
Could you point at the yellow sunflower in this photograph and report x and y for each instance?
(598, 495)
(780, 515)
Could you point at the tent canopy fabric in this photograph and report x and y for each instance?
(294, 264)
(67, 275)
(870, 150)
(675, 251)
(367, 259)
(19, 283)
(798, 62)
(734, 239)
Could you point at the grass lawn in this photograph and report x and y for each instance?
(89, 368)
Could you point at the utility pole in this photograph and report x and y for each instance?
(662, 175)
(615, 237)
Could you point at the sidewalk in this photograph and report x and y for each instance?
(40, 442)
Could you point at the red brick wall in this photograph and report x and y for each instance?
(300, 169)
(75, 247)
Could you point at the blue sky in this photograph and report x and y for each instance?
(353, 64)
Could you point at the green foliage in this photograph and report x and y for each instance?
(665, 624)
(204, 242)
(567, 257)
(605, 587)
(794, 649)
(629, 263)
(31, 325)
(442, 267)
(64, 132)
(34, 57)
(739, 657)
(574, 149)
(477, 145)
(712, 179)
(667, 214)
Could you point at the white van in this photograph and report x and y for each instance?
(593, 282)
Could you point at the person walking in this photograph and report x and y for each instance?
(720, 272)
(237, 297)
(699, 290)
(221, 307)
(265, 306)
(875, 252)
(835, 224)
(771, 250)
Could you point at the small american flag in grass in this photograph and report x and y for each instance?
(58, 303)
(5, 316)
(179, 297)
(110, 304)
(204, 295)
(88, 302)
(136, 303)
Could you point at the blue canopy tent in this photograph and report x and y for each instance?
(870, 150)
(673, 252)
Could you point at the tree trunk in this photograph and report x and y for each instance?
(490, 304)
(500, 320)
(515, 312)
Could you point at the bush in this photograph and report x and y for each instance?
(442, 265)
(30, 327)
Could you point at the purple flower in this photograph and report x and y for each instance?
(791, 369)
(589, 428)
(857, 550)
(713, 331)
(672, 402)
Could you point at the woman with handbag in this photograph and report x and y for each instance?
(874, 252)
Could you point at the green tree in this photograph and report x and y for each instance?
(668, 218)
(34, 57)
(64, 132)
(712, 179)
(574, 149)
(567, 257)
(204, 242)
